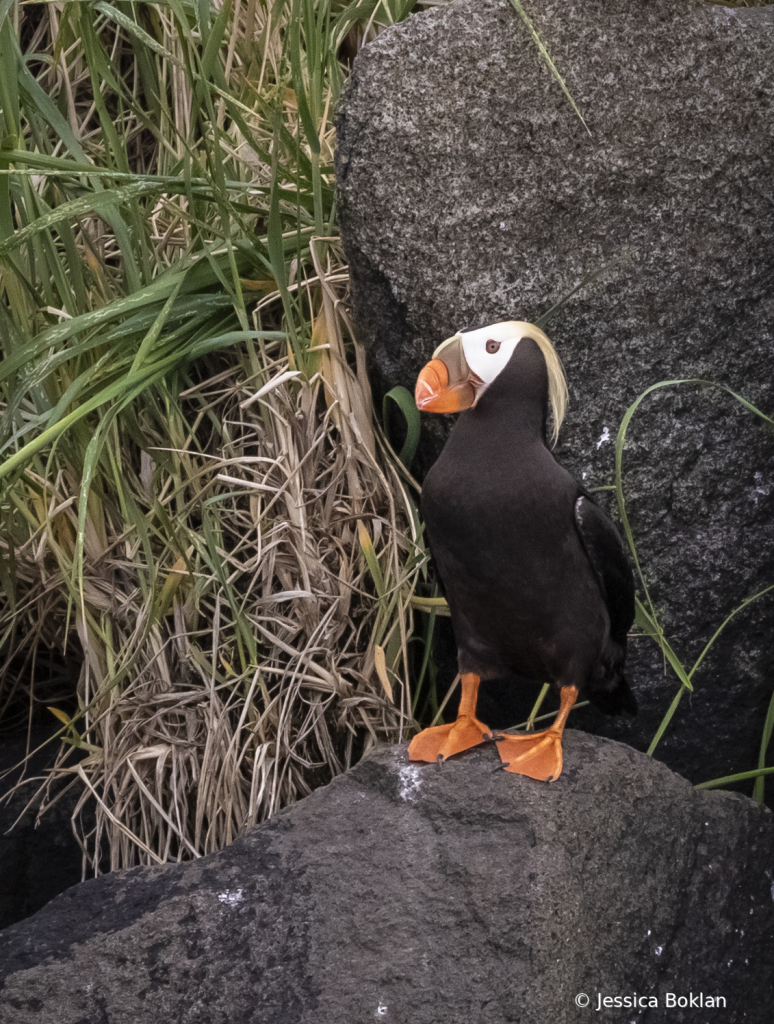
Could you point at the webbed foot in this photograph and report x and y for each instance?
(442, 741)
(538, 755)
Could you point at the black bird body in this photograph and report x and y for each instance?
(535, 574)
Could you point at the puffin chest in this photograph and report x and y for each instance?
(499, 516)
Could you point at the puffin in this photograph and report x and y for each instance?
(535, 574)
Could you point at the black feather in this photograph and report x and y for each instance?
(605, 551)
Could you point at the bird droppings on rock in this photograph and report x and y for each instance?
(231, 898)
(410, 782)
(759, 490)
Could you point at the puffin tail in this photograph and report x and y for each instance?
(614, 701)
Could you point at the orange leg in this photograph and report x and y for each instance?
(539, 755)
(441, 741)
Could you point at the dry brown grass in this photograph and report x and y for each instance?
(273, 650)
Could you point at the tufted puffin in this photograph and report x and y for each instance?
(535, 574)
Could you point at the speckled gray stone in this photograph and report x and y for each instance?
(427, 895)
(470, 192)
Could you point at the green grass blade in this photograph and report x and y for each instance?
(739, 777)
(546, 57)
(404, 400)
(768, 726)
(619, 447)
(666, 719)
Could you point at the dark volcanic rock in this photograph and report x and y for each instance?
(38, 860)
(458, 895)
(470, 192)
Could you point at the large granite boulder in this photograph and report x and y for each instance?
(427, 895)
(471, 192)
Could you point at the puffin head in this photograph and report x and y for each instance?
(465, 365)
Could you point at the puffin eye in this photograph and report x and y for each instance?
(492, 347)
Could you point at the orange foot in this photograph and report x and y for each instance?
(538, 755)
(441, 741)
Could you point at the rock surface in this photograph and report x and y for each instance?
(470, 192)
(426, 895)
(37, 862)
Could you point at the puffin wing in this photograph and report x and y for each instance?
(605, 551)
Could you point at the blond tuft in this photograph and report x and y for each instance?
(557, 384)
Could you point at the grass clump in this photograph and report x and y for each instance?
(207, 553)
(231, 633)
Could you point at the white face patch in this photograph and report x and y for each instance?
(488, 349)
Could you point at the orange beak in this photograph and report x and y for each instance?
(447, 383)
(434, 391)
